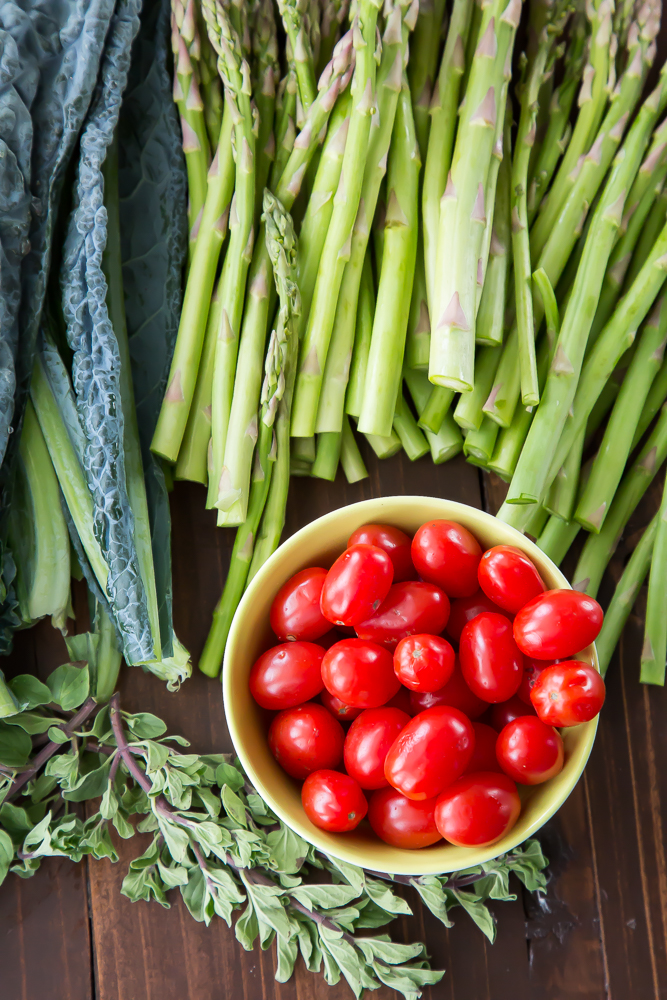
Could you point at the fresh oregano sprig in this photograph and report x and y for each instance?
(214, 839)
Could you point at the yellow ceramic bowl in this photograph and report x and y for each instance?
(318, 544)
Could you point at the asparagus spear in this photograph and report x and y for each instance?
(617, 441)
(385, 360)
(436, 408)
(181, 384)
(463, 212)
(654, 651)
(479, 445)
(294, 17)
(491, 311)
(592, 100)
(329, 445)
(195, 138)
(276, 391)
(337, 246)
(656, 397)
(468, 413)
(448, 441)
(232, 496)
(384, 447)
(334, 13)
(350, 456)
(556, 538)
(284, 127)
(362, 341)
(599, 548)
(443, 111)
(395, 40)
(236, 73)
(211, 86)
(424, 51)
(624, 597)
(265, 70)
(413, 441)
(616, 338)
(525, 140)
(418, 337)
(530, 478)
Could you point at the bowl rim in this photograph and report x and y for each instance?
(310, 833)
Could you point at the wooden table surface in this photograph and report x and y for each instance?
(600, 932)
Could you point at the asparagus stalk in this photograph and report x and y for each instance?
(537, 522)
(385, 360)
(556, 538)
(617, 441)
(531, 475)
(649, 234)
(350, 456)
(468, 413)
(185, 364)
(211, 88)
(613, 342)
(394, 51)
(338, 243)
(284, 127)
(448, 441)
(561, 498)
(334, 13)
(436, 408)
(418, 337)
(278, 383)
(232, 495)
(384, 447)
(294, 17)
(362, 342)
(195, 138)
(654, 651)
(525, 141)
(463, 212)
(329, 445)
(265, 50)
(479, 445)
(423, 65)
(412, 440)
(443, 111)
(491, 311)
(656, 397)
(236, 73)
(599, 548)
(592, 100)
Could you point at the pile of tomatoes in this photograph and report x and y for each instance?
(413, 642)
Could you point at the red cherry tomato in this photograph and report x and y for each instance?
(430, 753)
(464, 609)
(447, 554)
(360, 673)
(477, 809)
(333, 801)
(409, 609)
(455, 693)
(287, 675)
(394, 542)
(424, 662)
(306, 738)
(338, 708)
(508, 577)
(490, 660)
(402, 822)
(557, 624)
(401, 700)
(568, 693)
(367, 743)
(530, 751)
(507, 711)
(295, 612)
(531, 671)
(484, 755)
(356, 585)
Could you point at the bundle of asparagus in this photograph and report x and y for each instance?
(495, 309)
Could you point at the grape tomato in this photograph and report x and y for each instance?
(491, 662)
(360, 673)
(557, 624)
(531, 671)
(464, 609)
(484, 755)
(478, 809)
(338, 708)
(333, 801)
(403, 822)
(424, 662)
(395, 543)
(295, 612)
(287, 675)
(430, 752)
(305, 739)
(508, 577)
(410, 608)
(356, 585)
(529, 751)
(507, 711)
(568, 693)
(367, 743)
(447, 554)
